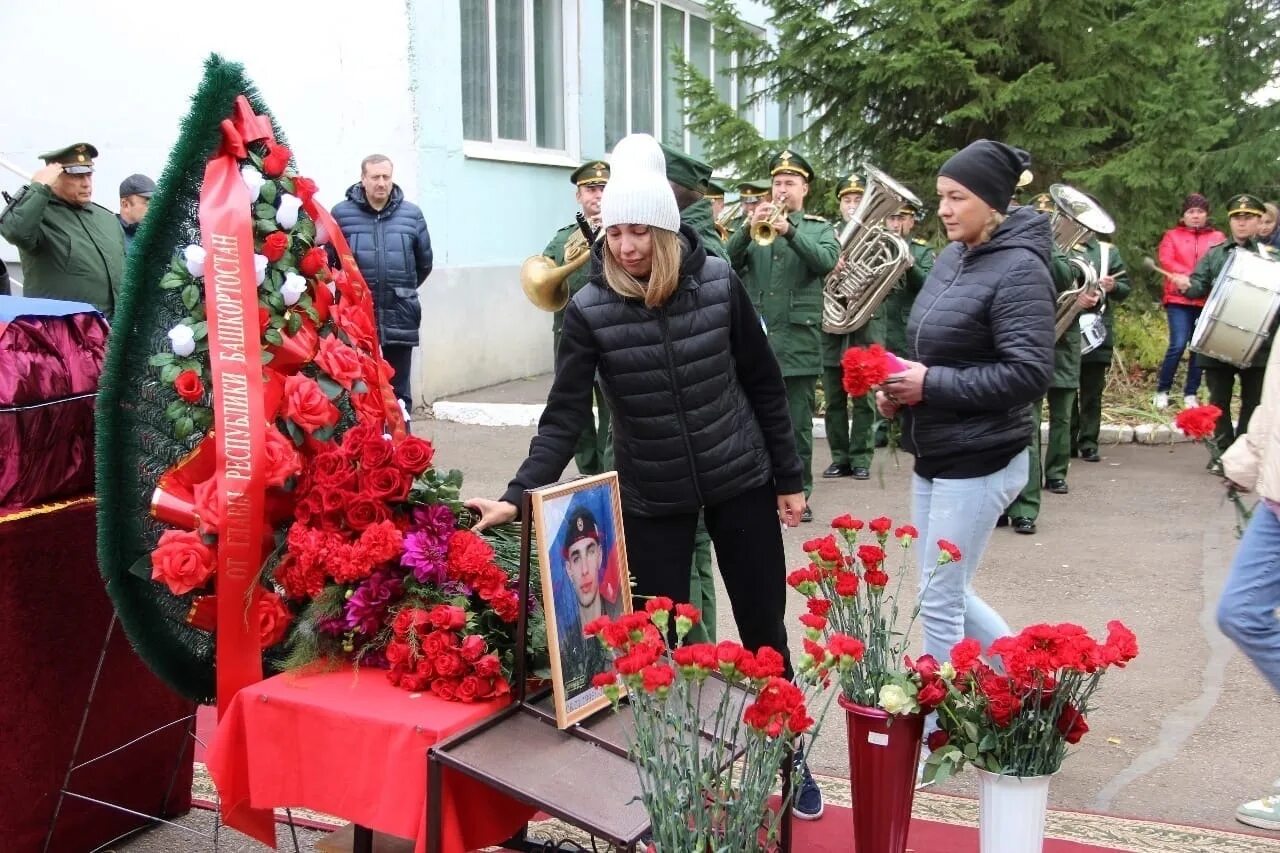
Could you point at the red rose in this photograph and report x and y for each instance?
(473, 648)
(468, 689)
(304, 188)
(1071, 724)
(388, 484)
(277, 160)
(364, 511)
(356, 321)
(488, 666)
(273, 619)
(211, 505)
(189, 386)
(331, 469)
(281, 457)
(313, 262)
(340, 361)
(448, 664)
(414, 455)
(931, 695)
(445, 688)
(275, 245)
(306, 405)
(181, 561)
(937, 740)
(447, 617)
(376, 452)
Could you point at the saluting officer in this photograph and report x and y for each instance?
(784, 278)
(1244, 214)
(850, 435)
(1086, 416)
(594, 452)
(70, 247)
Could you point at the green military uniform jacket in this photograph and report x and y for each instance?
(1066, 352)
(897, 305)
(577, 279)
(1205, 275)
(700, 216)
(1116, 269)
(784, 280)
(67, 251)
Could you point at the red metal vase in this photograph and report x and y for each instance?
(884, 754)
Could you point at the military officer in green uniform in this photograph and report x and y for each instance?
(850, 434)
(690, 178)
(1048, 466)
(1245, 214)
(1086, 416)
(594, 452)
(784, 279)
(715, 195)
(70, 247)
(750, 194)
(897, 305)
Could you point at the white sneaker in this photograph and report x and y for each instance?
(1190, 401)
(1263, 813)
(1161, 401)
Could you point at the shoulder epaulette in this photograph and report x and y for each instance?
(919, 241)
(813, 217)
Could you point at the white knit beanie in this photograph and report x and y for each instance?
(638, 192)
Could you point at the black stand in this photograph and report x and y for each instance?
(582, 775)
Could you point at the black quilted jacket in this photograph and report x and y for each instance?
(983, 325)
(698, 404)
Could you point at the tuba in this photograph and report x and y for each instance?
(873, 256)
(1074, 217)
(546, 284)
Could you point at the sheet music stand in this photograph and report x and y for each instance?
(581, 775)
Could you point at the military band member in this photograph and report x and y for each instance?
(1049, 464)
(593, 454)
(784, 279)
(750, 194)
(715, 195)
(1086, 416)
(1245, 215)
(850, 423)
(70, 248)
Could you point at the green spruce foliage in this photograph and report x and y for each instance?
(1135, 101)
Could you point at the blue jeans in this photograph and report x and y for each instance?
(1182, 321)
(1247, 612)
(963, 512)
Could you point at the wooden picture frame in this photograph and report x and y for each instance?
(582, 558)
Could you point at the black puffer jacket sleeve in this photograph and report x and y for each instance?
(1022, 336)
(567, 411)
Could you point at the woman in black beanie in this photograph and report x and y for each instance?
(980, 339)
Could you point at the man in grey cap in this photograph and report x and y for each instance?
(135, 195)
(70, 247)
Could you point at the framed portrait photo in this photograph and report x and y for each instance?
(582, 557)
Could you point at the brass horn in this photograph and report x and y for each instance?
(545, 283)
(765, 231)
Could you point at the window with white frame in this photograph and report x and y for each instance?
(641, 38)
(515, 91)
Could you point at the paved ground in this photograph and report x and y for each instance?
(1182, 735)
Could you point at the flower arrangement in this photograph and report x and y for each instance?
(367, 555)
(1198, 424)
(1021, 722)
(866, 367)
(697, 795)
(850, 605)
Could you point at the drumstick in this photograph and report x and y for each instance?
(1151, 265)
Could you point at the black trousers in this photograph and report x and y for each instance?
(748, 542)
(1221, 382)
(400, 357)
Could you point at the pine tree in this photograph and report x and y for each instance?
(1136, 102)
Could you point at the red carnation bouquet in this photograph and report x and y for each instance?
(865, 368)
(1021, 722)
(1198, 424)
(853, 605)
(697, 796)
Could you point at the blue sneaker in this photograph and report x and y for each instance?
(806, 802)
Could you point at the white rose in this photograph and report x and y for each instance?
(253, 180)
(293, 288)
(182, 340)
(895, 700)
(287, 214)
(947, 672)
(194, 256)
(260, 267)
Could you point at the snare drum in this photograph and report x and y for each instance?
(1240, 314)
(1093, 332)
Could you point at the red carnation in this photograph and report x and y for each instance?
(1198, 422)
(865, 368)
(657, 678)
(949, 552)
(876, 578)
(846, 522)
(880, 526)
(189, 386)
(965, 654)
(275, 245)
(277, 159)
(313, 262)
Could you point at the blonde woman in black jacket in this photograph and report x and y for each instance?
(981, 339)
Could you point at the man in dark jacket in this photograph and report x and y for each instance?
(135, 196)
(393, 249)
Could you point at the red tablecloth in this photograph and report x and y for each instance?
(352, 745)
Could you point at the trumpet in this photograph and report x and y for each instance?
(765, 231)
(730, 213)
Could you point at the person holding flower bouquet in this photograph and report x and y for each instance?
(980, 339)
(1251, 597)
(699, 408)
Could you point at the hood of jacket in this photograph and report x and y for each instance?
(1024, 228)
(355, 195)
